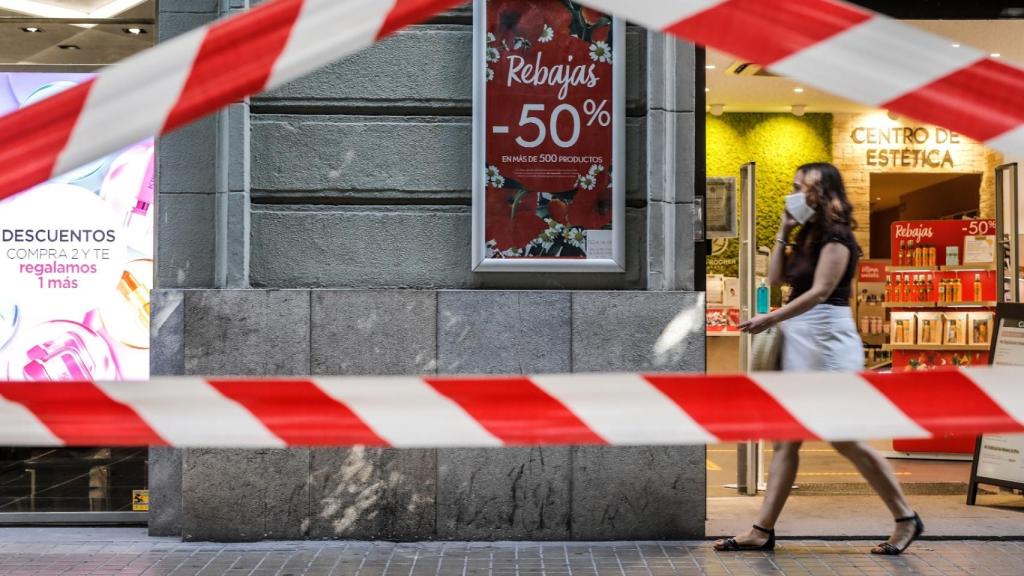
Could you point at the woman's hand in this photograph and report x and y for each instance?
(758, 324)
(787, 224)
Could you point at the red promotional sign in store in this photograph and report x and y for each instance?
(938, 234)
(549, 83)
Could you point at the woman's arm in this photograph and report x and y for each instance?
(830, 269)
(777, 262)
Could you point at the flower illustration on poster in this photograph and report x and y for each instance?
(76, 254)
(548, 172)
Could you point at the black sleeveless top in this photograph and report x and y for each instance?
(801, 264)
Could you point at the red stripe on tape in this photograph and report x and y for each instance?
(407, 12)
(300, 413)
(981, 101)
(82, 414)
(765, 32)
(235, 60)
(32, 139)
(516, 410)
(731, 407)
(944, 402)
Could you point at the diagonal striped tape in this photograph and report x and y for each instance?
(828, 44)
(483, 411)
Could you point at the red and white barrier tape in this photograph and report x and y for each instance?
(828, 44)
(614, 409)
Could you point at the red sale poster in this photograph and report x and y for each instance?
(549, 129)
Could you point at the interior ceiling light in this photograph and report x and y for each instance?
(717, 109)
(709, 66)
(134, 31)
(34, 8)
(31, 29)
(798, 109)
(995, 54)
(69, 47)
(707, 89)
(892, 115)
(798, 90)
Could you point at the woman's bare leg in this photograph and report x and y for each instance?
(781, 474)
(877, 471)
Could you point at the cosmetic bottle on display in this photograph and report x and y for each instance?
(61, 350)
(763, 295)
(977, 287)
(129, 189)
(136, 295)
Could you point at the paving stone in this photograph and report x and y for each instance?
(98, 552)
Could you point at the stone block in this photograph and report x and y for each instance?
(670, 153)
(386, 332)
(174, 24)
(391, 74)
(385, 158)
(504, 494)
(185, 241)
(186, 6)
(638, 493)
(503, 332)
(187, 159)
(401, 247)
(638, 331)
(165, 492)
(368, 247)
(167, 333)
(671, 249)
(245, 495)
(237, 231)
(373, 494)
(673, 70)
(247, 332)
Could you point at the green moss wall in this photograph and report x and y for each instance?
(778, 143)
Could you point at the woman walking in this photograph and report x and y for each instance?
(820, 335)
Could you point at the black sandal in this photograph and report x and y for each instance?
(731, 545)
(887, 549)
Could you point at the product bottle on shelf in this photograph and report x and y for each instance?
(931, 256)
(917, 254)
(958, 290)
(977, 287)
(762, 297)
(906, 288)
(942, 290)
(901, 258)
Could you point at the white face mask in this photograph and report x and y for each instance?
(796, 205)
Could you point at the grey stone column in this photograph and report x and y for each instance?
(202, 236)
(674, 163)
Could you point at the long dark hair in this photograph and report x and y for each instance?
(832, 207)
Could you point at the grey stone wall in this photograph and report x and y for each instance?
(357, 177)
(473, 494)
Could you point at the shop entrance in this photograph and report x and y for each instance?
(80, 333)
(924, 297)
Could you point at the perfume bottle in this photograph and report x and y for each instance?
(65, 358)
(136, 294)
(977, 287)
(8, 323)
(901, 255)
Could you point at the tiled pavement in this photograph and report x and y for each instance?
(55, 556)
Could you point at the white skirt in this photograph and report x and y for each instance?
(825, 339)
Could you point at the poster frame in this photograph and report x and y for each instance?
(1004, 311)
(479, 260)
(732, 226)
